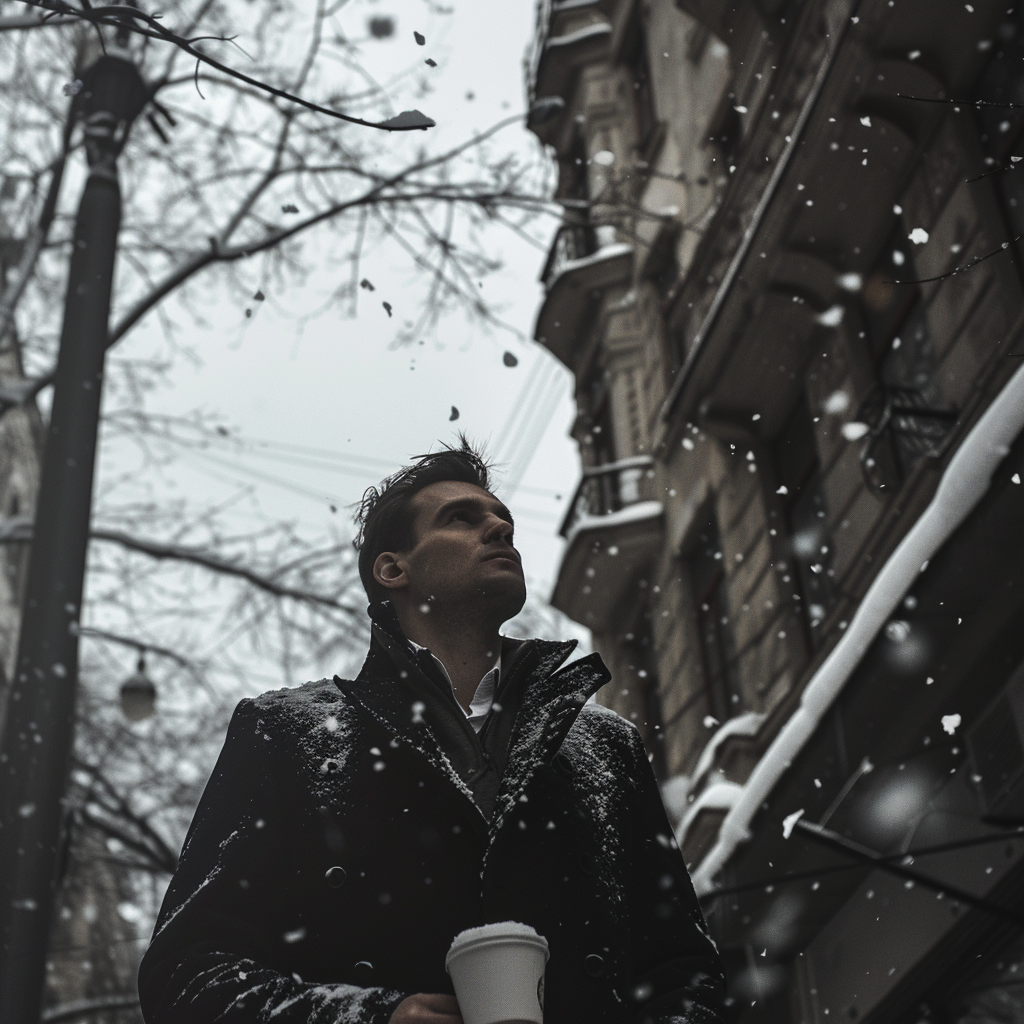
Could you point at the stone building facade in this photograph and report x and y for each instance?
(789, 284)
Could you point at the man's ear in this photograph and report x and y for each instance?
(388, 572)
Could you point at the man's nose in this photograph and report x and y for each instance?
(498, 529)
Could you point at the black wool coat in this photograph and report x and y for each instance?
(352, 828)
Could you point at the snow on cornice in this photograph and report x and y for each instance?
(964, 482)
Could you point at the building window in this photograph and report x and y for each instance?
(906, 417)
(1002, 128)
(799, 473)
(638, 646)
(707, 566)
(635, 58)
(598, 439)
(573, 181)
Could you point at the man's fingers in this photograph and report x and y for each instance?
(428, 1008)
(441, 1002)
(445, 1007)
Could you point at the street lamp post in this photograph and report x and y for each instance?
(39, 729)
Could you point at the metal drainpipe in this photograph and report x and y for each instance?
(696, 349)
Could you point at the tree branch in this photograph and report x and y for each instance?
(88, 1008)
(152, 844)
(120, 17)
(18, 530)
(20, 22)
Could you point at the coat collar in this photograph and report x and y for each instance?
(548, 700)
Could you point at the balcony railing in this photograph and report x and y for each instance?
(903, 430)
(572, 242)
(610, 488)
(536, 49)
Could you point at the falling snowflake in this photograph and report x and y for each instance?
(789, 823)
(836, 403)
(951, 723)
(832, 317)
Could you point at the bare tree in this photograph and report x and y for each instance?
(226, 183)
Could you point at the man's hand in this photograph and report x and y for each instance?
(427, 1008)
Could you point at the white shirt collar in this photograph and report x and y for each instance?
(483, 698)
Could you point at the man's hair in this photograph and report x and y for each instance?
(385, 515)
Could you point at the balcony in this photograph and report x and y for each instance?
(569, 35)
(613, 528)
(583, 261)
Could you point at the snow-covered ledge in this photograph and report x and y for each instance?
(597, 30)
(634, 513)
(605, 254)
(719, 796)
(677, 790)
(966, 479)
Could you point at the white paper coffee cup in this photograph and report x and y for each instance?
(498, 973)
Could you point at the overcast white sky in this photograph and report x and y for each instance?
(338, 383)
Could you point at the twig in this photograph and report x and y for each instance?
(961, 103)
(800, 876)
(834, 840)
(19, 23)
(967, 266)
(1012, 166)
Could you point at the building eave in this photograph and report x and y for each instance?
(568, 300)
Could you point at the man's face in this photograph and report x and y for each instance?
(462, 554)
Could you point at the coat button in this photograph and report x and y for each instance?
(561, 762)
(587, 864)
(335, 876)
(594, 965)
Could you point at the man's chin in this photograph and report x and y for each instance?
(505, 597)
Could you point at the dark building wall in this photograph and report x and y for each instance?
(769, 319)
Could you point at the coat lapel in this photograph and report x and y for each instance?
(546, 704)
(384, 699)
(550, 704)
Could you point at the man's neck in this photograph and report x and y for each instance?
(467, 649)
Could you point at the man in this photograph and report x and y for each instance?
(352, 828)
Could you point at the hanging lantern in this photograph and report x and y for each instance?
(138, 694)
